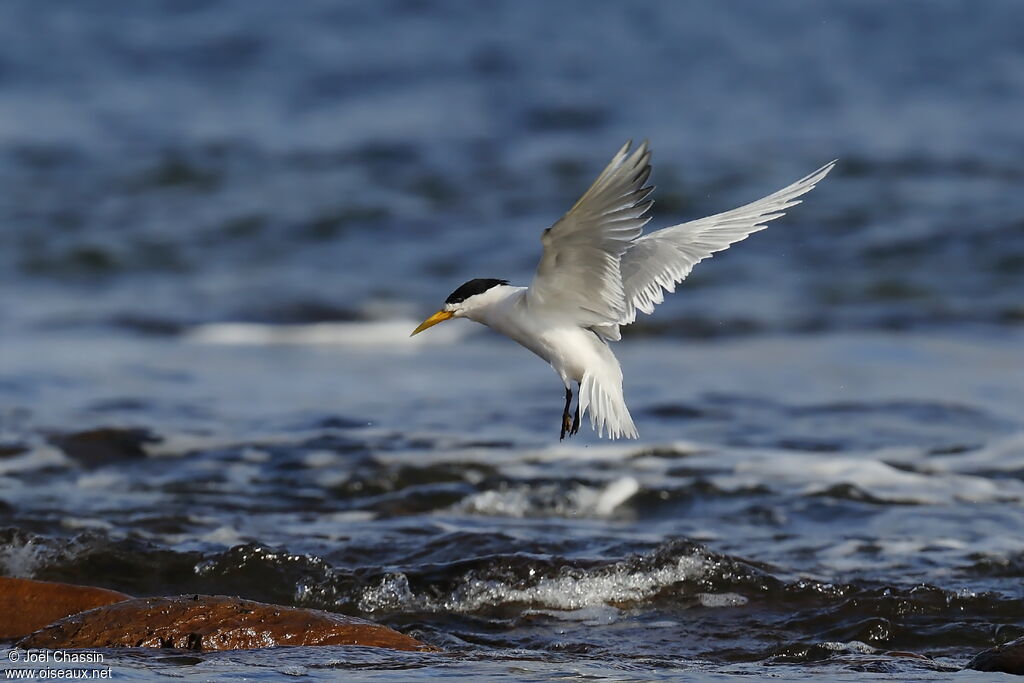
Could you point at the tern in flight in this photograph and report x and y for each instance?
(597, 271)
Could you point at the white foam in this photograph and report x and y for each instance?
(241, 475)
(1004, 454)
(576, 590)
(173, 445)
(615, 494)
(852, 647)
(319, 459)
(721, 599)
(613, 451)
(255, 455)
(816, 473)
(37, 458)
(23, 560)
(550, 500)
(350, 516)
(392, 593)
(377, 334)
(106, 480)
(504, 503)
(570, 590)
(225, 535)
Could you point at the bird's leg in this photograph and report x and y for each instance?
(576, 418)
(566, 425)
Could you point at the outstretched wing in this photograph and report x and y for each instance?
(578, 276)
(659, 260)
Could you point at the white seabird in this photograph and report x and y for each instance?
(597, 271)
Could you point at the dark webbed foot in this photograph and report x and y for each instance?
(566, 424)
(575, 421)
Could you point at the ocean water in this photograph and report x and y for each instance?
(220, 221)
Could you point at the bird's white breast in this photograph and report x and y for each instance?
(569, 349)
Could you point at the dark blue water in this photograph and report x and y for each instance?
(220, 220)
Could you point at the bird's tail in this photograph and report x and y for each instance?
(601, 394)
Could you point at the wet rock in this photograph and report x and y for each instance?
(28, 605)
(96, 447)
(8, 450)
(1007, 658)
(212, 622)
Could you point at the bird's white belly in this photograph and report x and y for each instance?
(569, 349)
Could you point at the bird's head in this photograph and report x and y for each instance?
(463, 302)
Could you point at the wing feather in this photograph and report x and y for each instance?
(655, 263)
(579, 275)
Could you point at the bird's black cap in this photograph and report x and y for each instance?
(473, 287)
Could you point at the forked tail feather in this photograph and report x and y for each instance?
(602, 398)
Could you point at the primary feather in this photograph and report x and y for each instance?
(579, 274)
(656, 262)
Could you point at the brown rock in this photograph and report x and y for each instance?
(212, 622)
(1007, 658)
(28, 605)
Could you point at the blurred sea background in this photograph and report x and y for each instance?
(219, 222)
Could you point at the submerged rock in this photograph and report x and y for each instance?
(1007, 658)
(105, 445)
(28, 605)
(212, 622)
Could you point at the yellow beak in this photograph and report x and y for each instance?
(438, 317)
